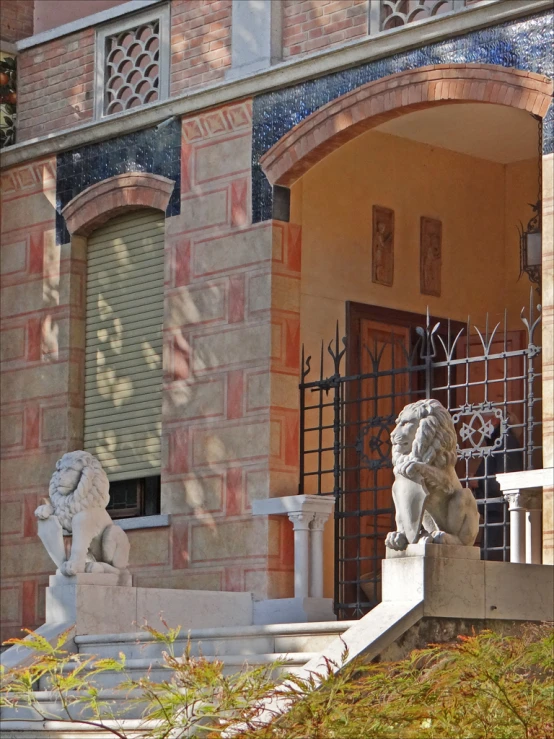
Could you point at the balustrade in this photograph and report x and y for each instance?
(523, 491)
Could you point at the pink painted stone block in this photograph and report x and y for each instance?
(235, 394)
(36, 253)
(234, 491)
(178, 451)
(236, 299)
(180, 545)
(239, 202)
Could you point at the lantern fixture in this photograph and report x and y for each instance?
(530, 238)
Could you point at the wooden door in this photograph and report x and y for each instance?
(379, 343)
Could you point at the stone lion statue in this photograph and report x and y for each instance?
(79, 494)
(428, 496)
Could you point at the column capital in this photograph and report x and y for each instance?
(319, 521)
(301, 520)
(523, 500)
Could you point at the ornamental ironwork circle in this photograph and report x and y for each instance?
(378, 444)
(479, 427)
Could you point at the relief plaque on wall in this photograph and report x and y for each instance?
(430, 259)
(383, 246)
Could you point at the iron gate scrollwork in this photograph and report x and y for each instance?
(489, 380)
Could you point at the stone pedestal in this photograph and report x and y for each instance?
(453, 582)
(293, 611)
(97, 605)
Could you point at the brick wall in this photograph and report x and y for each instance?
(16, 19)
(55, 85)
(309, 25)
(200, 42)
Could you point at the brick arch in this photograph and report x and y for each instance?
(376, 102)
(124, 192)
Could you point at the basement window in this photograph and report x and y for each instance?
(137, 497)
(132, 62)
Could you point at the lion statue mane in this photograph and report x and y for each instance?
(92, 490)
(78, 496)
(424, 453)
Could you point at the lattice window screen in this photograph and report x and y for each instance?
(132, 63)
(123, 351)
(388, 14)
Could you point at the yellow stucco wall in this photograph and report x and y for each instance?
(479, 203)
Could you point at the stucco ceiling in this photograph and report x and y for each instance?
(494, 132)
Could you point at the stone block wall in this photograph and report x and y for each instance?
(217, 368)
(37, 361)
(231, 356)
(548, 350)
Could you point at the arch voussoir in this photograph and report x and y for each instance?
(114, 195)
(376, 102)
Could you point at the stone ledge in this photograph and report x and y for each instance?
(428, 549)
(293, 504)
(144, 522)
(94, 19)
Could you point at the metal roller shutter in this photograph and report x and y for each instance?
(123, 363)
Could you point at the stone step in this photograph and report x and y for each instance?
(245, 640)
(157, 671)
(55, 729)
(48, 705)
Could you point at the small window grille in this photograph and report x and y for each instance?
(132, 63)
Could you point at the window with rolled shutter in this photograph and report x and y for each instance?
(123, 364)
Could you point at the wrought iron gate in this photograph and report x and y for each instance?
(490, 386)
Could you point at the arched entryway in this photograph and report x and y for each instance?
(384, 145)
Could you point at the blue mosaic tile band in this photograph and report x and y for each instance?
(525, 44)
(153, 151)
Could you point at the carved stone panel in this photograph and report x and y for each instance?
(430, 256)
(383, 246)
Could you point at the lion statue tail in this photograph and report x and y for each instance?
(115, 547)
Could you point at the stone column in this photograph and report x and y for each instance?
(516, 504)
(301, 525)
(533, 526)
(547, 300)
(316, 563)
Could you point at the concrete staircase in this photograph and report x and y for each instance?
(237, 646)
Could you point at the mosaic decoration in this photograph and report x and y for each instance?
(430, 252)
(524, 44)
(153, 151)
(132, 72)
(8, 98)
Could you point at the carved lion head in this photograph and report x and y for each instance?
(78, 483)
(425, 432)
